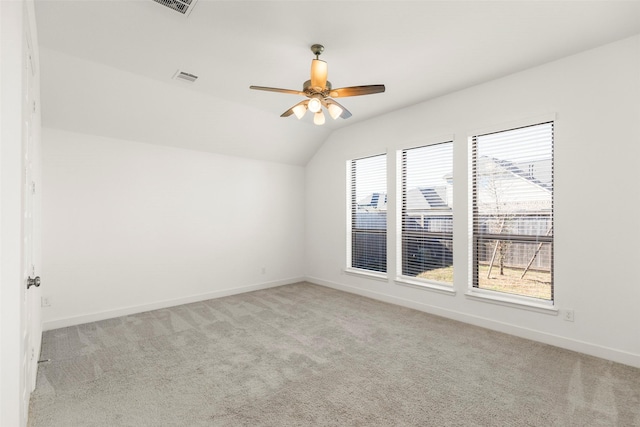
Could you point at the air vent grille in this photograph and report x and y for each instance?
(182, 6)
(186, 77)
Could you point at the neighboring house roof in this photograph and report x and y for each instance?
(374, 202)
(429, 198)
(517, 171)
(503, 182)
(504, 185)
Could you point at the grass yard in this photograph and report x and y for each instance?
(536, 284)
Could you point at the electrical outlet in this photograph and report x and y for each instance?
(46, 302)
(568, 315)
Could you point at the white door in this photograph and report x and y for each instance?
(31, 325)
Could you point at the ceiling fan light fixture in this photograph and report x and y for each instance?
(320, 92)
(299, 110)
(314, 105)
(319, 72)
(318, 118)
(334, 111)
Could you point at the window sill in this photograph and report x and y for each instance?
(429, 286)
(366, 273)
(524, 303)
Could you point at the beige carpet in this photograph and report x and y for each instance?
(302, 355)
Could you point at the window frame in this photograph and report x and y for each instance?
(402, 279)
(498, 297)
(350, 211)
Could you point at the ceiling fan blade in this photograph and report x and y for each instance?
(319, 72)
(275, 89)
(356, 91)
(290, 111)
(287, 113)
(345, 113)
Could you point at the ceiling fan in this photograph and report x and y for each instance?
(320, 93)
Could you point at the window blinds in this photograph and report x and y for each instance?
(427, 212)
(512, 184)
(369, 213)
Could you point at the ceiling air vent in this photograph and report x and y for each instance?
(185, 77)
(183, 6)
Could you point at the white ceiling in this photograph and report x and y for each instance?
(107, 66)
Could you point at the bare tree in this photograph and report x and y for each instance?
(500, 214)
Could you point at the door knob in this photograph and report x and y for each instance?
(33, 281)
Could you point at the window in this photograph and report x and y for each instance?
(427, 213)
(368, 216)
(512, 220)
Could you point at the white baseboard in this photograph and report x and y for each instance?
(125, 311)
(543, 337)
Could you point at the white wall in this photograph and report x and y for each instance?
(129, 226)
(596, 98)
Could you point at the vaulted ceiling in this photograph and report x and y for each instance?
(107, 66)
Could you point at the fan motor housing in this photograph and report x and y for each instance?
(306, 87)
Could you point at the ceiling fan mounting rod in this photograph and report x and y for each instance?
(317, 49)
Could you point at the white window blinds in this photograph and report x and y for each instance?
(369, 213)
(427, 212)
(512, 180)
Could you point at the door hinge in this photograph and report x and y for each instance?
(33, 187)
(34, 106)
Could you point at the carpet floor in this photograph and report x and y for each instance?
(306, 355)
